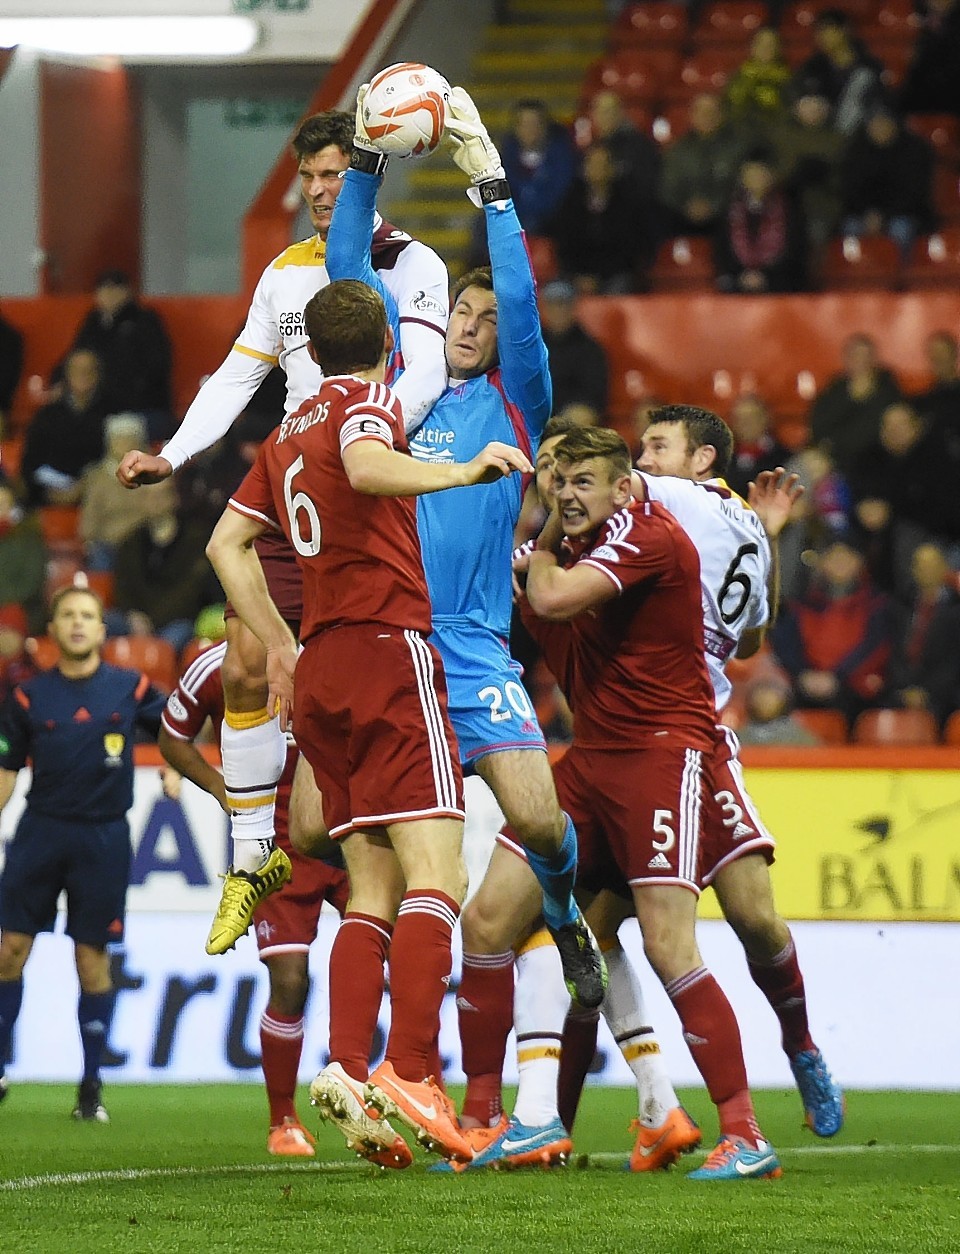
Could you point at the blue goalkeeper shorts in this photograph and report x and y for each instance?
(490, 709)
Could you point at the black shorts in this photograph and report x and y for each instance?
(88, 861)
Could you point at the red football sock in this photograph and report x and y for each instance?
(356, 989)
(419, 972)
(485, 1015)
(579, 1048)
(281, 1042)
(713, 1038)
(781, 982)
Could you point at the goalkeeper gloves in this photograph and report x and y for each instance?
(365, 157)
(474, 151)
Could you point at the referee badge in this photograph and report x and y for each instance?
(113, 744)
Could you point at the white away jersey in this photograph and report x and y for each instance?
(734, 564)
(274, 332)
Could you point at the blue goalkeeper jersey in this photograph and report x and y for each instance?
(466, 534)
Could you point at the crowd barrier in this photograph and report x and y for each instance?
(868, 869)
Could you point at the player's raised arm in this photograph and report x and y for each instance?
(221, 400)
(420, 279)
(523, 354)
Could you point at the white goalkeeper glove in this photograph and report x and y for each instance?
(366, 156)
(473, 150)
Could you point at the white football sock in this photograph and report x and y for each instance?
(540, 1006)
(254, 751)
(626, 1016)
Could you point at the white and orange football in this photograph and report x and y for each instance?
(404, 109)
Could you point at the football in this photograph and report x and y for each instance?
(404, 109)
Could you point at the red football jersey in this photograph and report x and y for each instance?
(635, 669)
(360, 554)
(197, 696)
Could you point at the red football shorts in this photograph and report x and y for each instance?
(283, 575)
(732, 826)
(370, 716)
(638, 814)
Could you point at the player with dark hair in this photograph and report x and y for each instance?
(285, 925)
(253, 745)
(336, 477)
(499, 390)
(76, 724)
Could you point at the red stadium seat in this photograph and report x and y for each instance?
(683, 263)
(942, 133)
(827, 725)
(935, 260)
(946, 193)
(543, 258)
(861, 263)
(705, 72)
(101, 582)
(59, 523)
(895, 727)
(155, 657)
(951, 730)
(637, 77)
(730, 23)
(43, 651)
(656, 25)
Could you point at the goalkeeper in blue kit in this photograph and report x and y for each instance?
(499, 389)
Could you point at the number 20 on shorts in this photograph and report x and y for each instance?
(506, 702)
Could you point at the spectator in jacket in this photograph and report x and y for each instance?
(759, 244)
(66, 435)
(134, 348)
(904, 492)
(887, 181)
(757, 93)
(601, 242)
(808, 152)
(162, 578)
(846, 415)
(540, 161)
(11, 366)
(23, 563)
(699, 170)
(636, 156)
(578, 362)
(925, 665)
(940, 403)
(933, 80)
(834, 639)
(843, 71)
(108, 512)
(755, 447)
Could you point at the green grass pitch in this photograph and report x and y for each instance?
(185, 1169)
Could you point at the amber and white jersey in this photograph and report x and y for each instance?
(274, 334)
(734, 564)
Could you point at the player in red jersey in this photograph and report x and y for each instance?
(285, 923)
(613, 598)
(369, 712)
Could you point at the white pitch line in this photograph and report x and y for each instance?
(58, 1179)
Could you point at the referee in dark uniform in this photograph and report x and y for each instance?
(75, 724)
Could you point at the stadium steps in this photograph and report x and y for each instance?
(546, 65)
(543, 35)
(543, 52)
